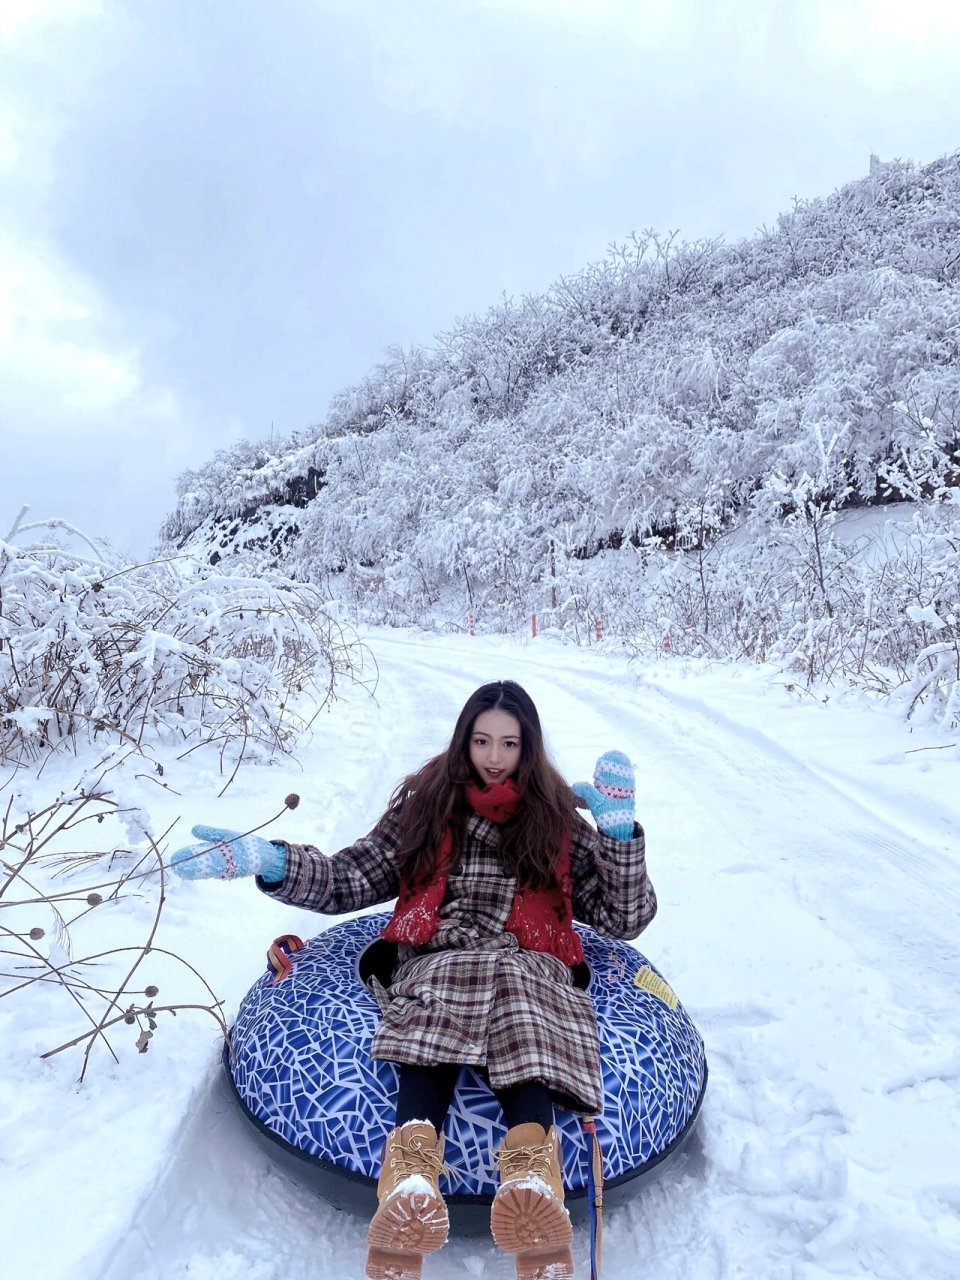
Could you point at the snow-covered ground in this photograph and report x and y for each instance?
(807, 859)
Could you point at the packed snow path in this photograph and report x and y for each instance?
(808, 920)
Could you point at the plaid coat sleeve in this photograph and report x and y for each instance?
(361, 875)
(611, 888)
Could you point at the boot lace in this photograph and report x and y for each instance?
(416, 1156)
(525, 1162)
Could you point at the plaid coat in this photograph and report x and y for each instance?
(471, 995)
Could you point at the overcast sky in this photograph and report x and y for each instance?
(215, 214)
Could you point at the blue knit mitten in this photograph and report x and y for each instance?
(610, 798)
(225, 855)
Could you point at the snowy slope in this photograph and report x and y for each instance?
(807, 860)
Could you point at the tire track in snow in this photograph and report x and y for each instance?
(738, 768)
(911, 852)
(738, 765)
(221, 1209)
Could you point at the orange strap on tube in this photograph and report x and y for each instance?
(279, 953)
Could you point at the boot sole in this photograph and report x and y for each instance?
(405, 1228)
(535, 1227)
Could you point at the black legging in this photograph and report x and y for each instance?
(426, 1093)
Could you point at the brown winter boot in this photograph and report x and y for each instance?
(528, 1217)
(412, 1218)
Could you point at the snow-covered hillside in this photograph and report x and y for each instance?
(806, 854)
(663, 447)
(648, 402)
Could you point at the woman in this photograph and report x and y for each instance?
(491, 863)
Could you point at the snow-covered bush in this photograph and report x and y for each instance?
(102, 650)
(936, 683)
(878, 609)
(932, 605)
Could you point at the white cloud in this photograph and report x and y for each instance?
(87, 437)
(883, 43)
(9, 146)
(55, 359)
(649, 23)
(25, 17)
(78, 415)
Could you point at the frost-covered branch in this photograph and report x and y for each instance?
(162, 652)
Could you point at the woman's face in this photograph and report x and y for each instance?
(495, 746)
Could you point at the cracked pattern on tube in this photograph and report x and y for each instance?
(301, 1067)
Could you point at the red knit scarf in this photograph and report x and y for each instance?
(540, 919)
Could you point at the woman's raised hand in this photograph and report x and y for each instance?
(610, 798)
(225, 855)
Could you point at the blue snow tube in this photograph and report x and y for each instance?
(299, 1063)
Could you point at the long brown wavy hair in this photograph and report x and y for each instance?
(434, 798)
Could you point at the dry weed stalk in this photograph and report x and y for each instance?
(41, 868)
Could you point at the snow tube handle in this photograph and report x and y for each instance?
(279, 953)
